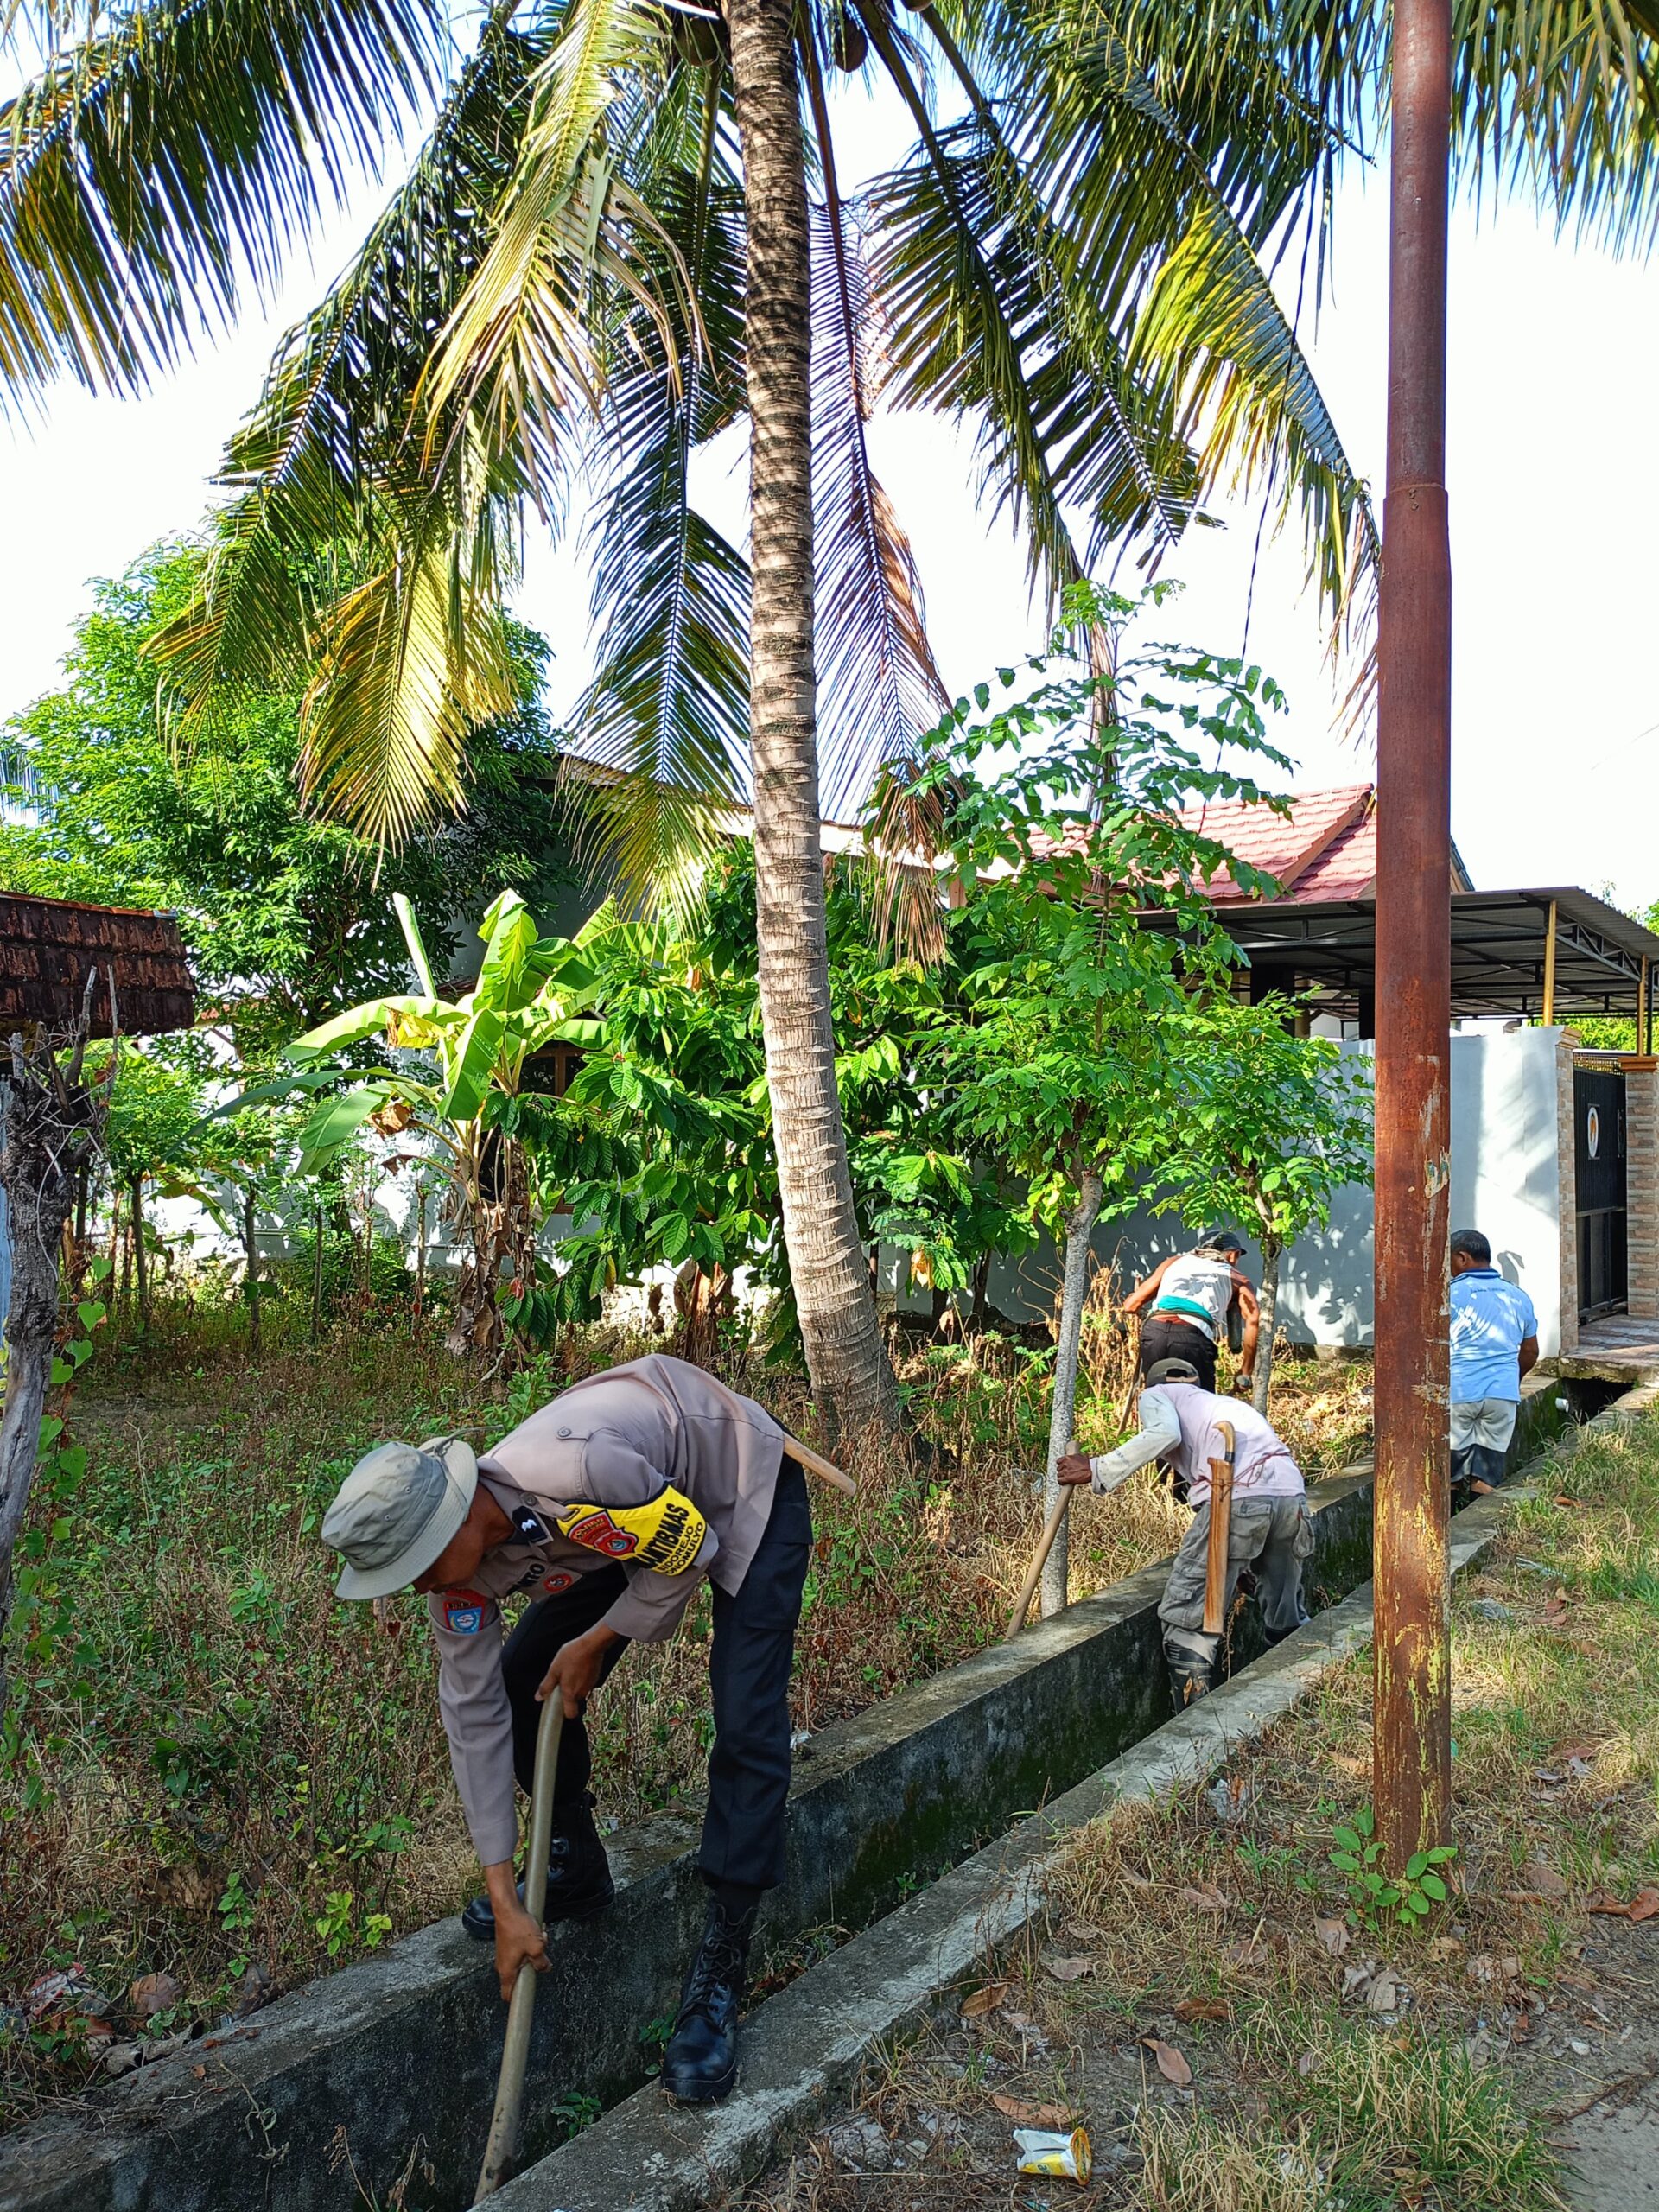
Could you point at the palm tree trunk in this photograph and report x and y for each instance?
(1063, 1411)
(1268, 1301)
(852, 1377)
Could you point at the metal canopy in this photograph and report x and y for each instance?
(1325, 951)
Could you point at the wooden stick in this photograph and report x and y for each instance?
(1057, 1512)
(502, 2149)
(1221, 1516)
(803, 1456)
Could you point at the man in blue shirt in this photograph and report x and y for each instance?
(1494, 1343)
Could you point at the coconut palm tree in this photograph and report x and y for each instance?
(605, 252)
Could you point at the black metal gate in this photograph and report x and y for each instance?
(1598, 1133)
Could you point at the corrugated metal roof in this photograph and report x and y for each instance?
(46, 945)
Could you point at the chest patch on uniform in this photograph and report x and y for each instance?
(666, 1533)
(560, 1580)
(463, 1611)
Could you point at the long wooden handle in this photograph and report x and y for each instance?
(816, 1464)
(502, 2150)
(1057, 1514)
(1221, 1516)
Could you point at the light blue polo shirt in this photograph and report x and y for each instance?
(1490, 1319)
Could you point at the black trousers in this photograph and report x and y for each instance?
(749, 1665)
(1161, 1338)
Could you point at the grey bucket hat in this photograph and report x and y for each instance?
(395, 1511)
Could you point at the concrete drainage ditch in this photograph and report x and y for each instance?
(396, 2058)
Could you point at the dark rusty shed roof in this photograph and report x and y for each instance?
(48, 944)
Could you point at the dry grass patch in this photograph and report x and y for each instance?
(1238, 2039)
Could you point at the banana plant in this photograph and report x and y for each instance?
(528, 990)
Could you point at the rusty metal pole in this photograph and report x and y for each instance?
(1412, 1749)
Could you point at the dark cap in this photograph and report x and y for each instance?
(1222, 1240)
(1172, 1371)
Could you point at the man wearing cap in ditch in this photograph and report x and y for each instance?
(1269, 1531)
(608, 1509)
(1194, 1299)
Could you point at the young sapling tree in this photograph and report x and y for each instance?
(1269, 1127)
(1063, 815)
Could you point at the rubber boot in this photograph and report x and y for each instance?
(1188, 1678)
(579, 1882)
(700, 2064)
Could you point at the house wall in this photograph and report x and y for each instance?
(1506, 1180)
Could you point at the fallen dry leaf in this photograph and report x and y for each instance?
(1445, 1946)
(1383, 1995)
(1561, 1498)
(1068, 1969)
(984, 2000)
(1571, 1747)
(1541, 1877)
(1207, 1898)
(1025, 2116)
(1554, 1613)
(1138, 1881)
(1171, 2065)
(1610, 1907)
(1203, 2008)
(1645, 1904)
(1306, 2063)
(1334, 1935)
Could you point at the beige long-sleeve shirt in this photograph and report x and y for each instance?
(1179, 1421)
(621, 1441)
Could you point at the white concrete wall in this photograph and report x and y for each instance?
(1505, 1163)
(1505, 1181)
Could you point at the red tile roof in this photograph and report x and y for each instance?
(1325, 848)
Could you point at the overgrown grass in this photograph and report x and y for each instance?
(1217, 1924)
(218, 1764)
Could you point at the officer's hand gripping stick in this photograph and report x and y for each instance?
(502, 2149)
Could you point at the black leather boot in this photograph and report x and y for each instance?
(700, 2064)
(1188, 1678)
(579, 1882)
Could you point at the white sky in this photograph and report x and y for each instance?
(1554, 486)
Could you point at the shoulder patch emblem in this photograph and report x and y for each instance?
(463, 1611)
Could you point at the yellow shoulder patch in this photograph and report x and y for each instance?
(666, 1533)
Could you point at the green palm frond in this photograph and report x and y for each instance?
(878, 686)
(1215, 327)
(412, 659)
(149, 172)
(310, 467)
(1560, 98)
(665, 718)
(523, 341)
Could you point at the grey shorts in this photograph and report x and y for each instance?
(1486, 1421)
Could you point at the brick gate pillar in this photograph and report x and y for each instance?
(1641, 1183)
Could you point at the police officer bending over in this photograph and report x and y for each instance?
(1269, 1531)
(608, 1508)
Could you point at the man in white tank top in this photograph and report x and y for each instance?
(1270, 1531)
(1187, 1303)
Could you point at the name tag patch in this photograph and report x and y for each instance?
(665, 1533)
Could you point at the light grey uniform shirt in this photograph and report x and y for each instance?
(617, 1439)
(1180, 1419)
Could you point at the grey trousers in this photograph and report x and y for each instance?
(1270, 1536)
